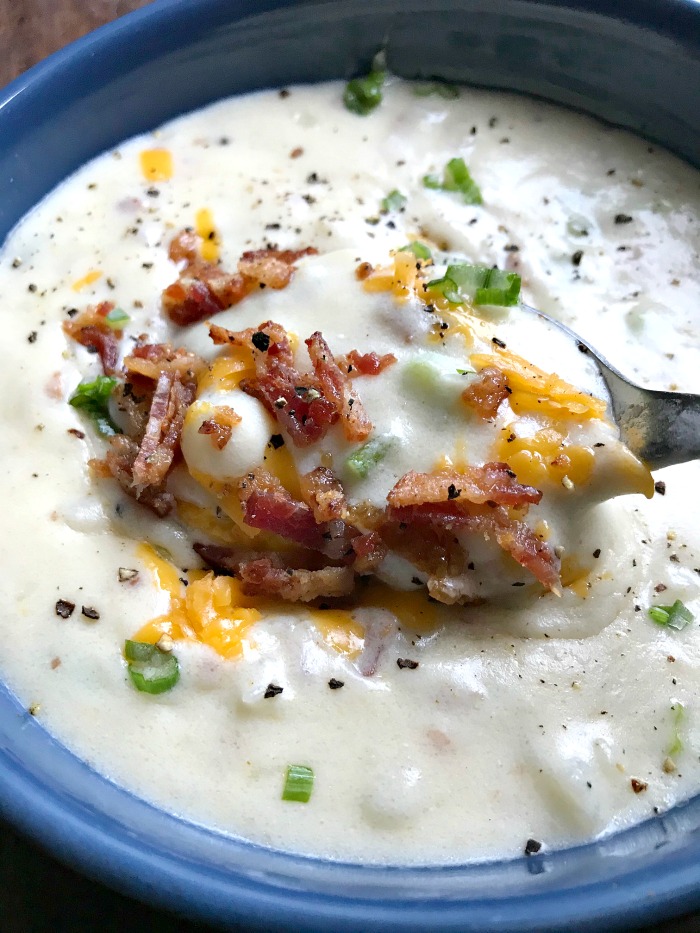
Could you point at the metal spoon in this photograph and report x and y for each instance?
(661, 428)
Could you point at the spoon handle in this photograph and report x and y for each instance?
(661, 428)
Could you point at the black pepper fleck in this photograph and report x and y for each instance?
(532, 847)
(336, 684)
(406, 662)
(577, 257)
(660, 487)
(272, 691)
(277, 441)
(623, 219)
(260, 341)
(90, 613)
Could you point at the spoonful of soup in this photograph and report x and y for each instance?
(659, 427)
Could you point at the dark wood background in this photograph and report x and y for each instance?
(37, 894)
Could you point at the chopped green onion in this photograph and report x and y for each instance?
(363, 95)
(419, 250)
(676, 746)
(676, 616)
(448, 91)
(138, 650)
(456, 177)
(117, 318)
(466, 372)
(481, 285)
(394, 201)
(361, 461)
(93, 399)
(151, 670)
(298, 783)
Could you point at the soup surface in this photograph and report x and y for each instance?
(505, 687)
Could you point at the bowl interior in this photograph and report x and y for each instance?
(634, 65)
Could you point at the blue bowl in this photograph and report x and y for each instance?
(634, 64)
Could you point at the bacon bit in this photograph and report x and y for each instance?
(220, 427)
(264, 578)
(492, 482)
(119, 461)
(55, 662)
(363, 271)
(487, 392)
(267, 505)
(90, 613)
(151, 359)
(295, 153)
(370, 551)
(171, 400)
(203, 288)
(294, 400)
(322, 491)
(91, 330)
(338, 388)
(638, 786)
(272, 267)
(425, 498)
(366, 364)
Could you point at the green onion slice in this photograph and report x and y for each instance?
(361, 461)
(419, 250)
(455, 177)
(481, 285)
(93, 399)
(298, 783)
(150, 669)
(446, 91)
(676, 746)
(117, 318)
(394, 201)
(676, 616)
(363, 95)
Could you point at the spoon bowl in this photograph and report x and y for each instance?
(659, 427)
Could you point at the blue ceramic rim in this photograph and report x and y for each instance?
(102, 848)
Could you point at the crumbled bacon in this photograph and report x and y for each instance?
(265, 577)
(366, 364)
(369, 550)
(267, 505)
(322, 491)
(272, 267)
(161, 439)
(492, 482)
(512, 535)
(338, 388)
(294, 399)
(91, 330)
(220, 426)
(119, 460)
(151, 359)
(203, 288)
(487, 392)
(220, 434)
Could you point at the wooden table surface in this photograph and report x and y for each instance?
(37, 894)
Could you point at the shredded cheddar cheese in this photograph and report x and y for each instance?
(156, 164)
(533, 390)
(86, 280)
(210, 240)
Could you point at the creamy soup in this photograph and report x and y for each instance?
(312, 535)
